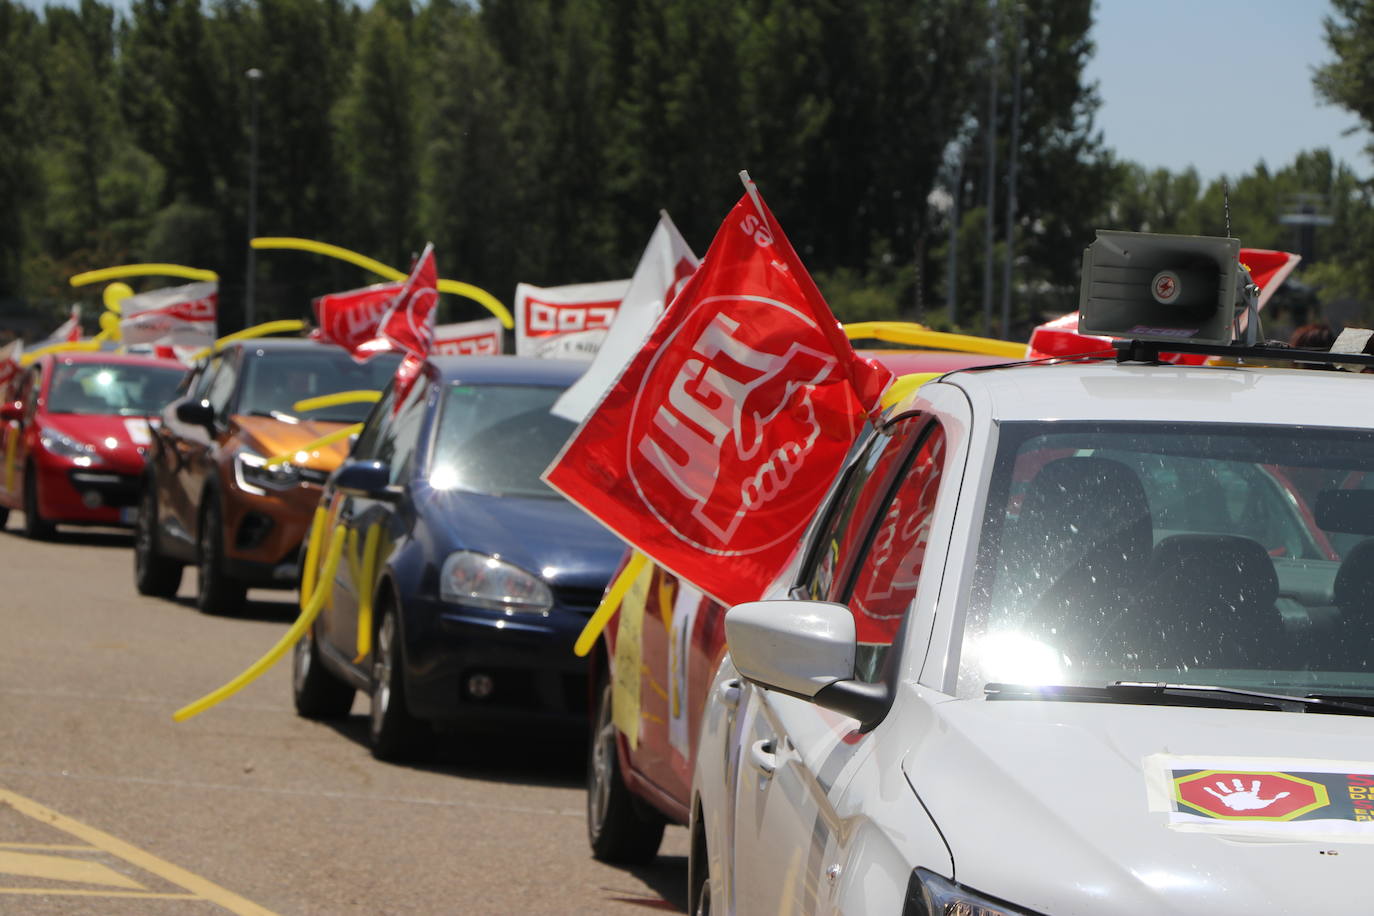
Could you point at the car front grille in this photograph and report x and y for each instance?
(578, 600)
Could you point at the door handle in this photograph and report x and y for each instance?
(728, 693)
(762, 757)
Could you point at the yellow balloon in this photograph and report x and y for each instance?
(116, 293)
(109, 325)
(455, 287)
(143, 270)
(919, 336)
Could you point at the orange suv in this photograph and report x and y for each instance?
(210, 498)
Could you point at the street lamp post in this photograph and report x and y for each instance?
(254, 75)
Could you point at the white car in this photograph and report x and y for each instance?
(1065, 639)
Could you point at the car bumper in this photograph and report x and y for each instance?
(263, 534)
(100, 495)
(452, 653)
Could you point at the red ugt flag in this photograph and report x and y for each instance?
(383, 317)
(713, 450)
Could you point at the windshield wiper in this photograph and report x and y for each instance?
(1165, 694)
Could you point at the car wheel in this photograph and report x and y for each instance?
(154, 574)
(618, 828)
(698, 876)
(35, 526)
(4, 517)
(317, 692)
(392, 731)
(217, 593)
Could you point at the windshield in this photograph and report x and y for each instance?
(498, 439)
(1175, 552)
(112, 389)
(275, 380)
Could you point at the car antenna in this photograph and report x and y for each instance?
(1226, 203)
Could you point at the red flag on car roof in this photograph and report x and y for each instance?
(383, 317)
(713, 450)
(408, 324)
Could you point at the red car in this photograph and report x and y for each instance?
(635, 788)
(73, 433)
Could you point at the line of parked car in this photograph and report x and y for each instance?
(1038, 601)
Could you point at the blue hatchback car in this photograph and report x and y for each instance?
(464, 579)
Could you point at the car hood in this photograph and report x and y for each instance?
(548, 537)
(119, 441)
(1044, 804)
(269, 437)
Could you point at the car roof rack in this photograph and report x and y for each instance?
(1148, 351)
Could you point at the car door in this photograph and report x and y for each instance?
(17, 437)
(795, 757)
(395, 443)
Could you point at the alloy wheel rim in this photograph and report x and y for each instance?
(301, 657)
(381, 674)
(599, 797)
(143, 537)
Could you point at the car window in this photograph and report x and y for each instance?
(497, 439)
(852, 512)
(890, 570)
(275, 380)
(375, 428)
(220, 391)
(200, 383)
(1169, 553)
(111, 389)
(399, 441)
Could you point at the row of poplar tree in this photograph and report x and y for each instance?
(536, 141)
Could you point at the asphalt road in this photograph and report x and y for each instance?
(109, 807)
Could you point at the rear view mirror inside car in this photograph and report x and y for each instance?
(1346, 511)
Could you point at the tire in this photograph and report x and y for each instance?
(4, 517)
(216, 593)
(393, 733)
(698, 876)
(36, 527)
(154, 574)
(318, 693)
(619, 828)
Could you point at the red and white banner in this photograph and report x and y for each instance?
(384, 317)
(351, 319)
(177, 316)
(9, 362)
(713, 450)
(408, 325)
(565, 322)
(663, 271)
(469, 338)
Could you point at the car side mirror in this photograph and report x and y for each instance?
(367, 479)
(804, 649)
(196, 413)
(12, 410)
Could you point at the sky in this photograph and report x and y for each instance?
(1216, 84)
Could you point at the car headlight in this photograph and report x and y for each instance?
(484, 581)
(928, 894)
(65, 446)
(256, 477)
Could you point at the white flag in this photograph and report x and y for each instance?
(565, 322)
(664, 267)
(68, 331)
(177, 316)
(469, 338)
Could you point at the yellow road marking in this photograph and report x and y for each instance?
(198, 886)
(70, 847)
(63, 868)
(50, 892)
